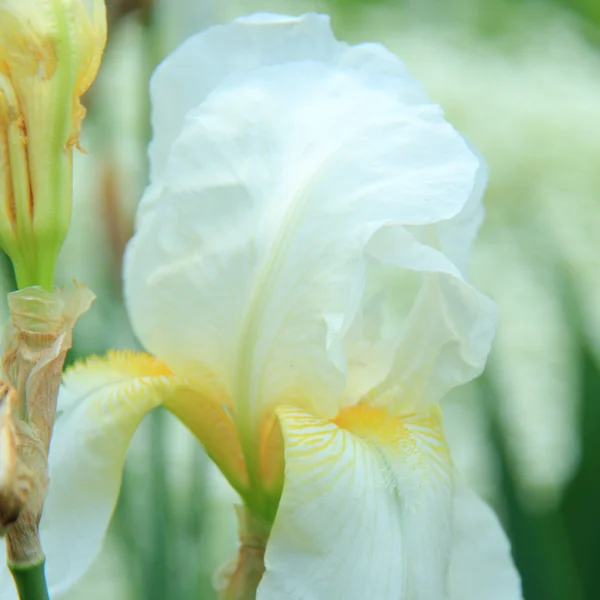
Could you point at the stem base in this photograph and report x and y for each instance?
(30, 581)
(241, 581)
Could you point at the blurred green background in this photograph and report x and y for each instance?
(521, 80)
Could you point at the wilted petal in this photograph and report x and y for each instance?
(203, 62)
(253, 253)
(481, 566)
(365, 511)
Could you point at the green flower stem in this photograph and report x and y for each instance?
(243, 579)
(30, 581)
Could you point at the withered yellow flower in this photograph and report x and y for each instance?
(50, 51)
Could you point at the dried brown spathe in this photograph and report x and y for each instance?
(35, 344)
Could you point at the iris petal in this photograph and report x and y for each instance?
(253, 253)
(100, 406)
(365, 511)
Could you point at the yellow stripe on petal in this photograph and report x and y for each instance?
(365, 510)
(417, 437)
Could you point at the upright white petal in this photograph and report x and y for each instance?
(421, 329)
(203, 62)
(481, 566)
(455, 236)
(253, 253)
(364, 514)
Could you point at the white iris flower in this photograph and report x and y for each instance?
(297, 275)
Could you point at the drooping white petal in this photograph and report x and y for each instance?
(100, 406)
(250, 263)
(203, 62)
(364, 514)
(481, 566)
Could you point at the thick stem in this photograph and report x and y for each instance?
(241, 582)
(30, 581)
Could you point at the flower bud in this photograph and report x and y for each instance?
(50, 51)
